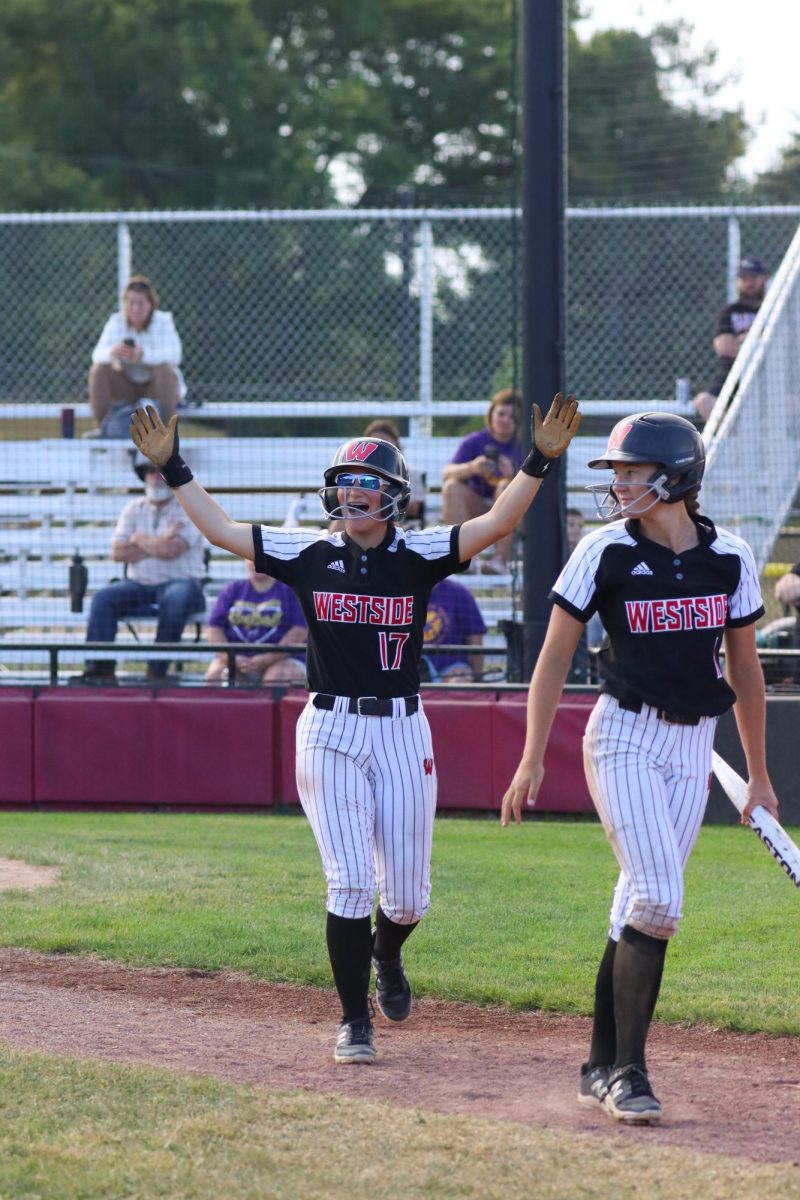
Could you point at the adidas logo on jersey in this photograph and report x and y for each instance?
(336, 565)
(641, 569)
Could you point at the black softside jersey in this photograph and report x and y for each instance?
(664, 613)
(365, 609)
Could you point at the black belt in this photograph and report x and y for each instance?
(367, 706)
(669, 718)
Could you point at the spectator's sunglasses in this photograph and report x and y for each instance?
(367, 483)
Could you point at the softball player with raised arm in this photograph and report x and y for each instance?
(365, 764)
(668, 587)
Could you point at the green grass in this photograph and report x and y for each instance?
(96, 1131)
(518, 918)
(518, 915)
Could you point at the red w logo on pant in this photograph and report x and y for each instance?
(428, 765)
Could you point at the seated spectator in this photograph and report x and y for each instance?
(453, 619)
(579, 668)
(482, 467)
(783, 633)
(787, 588)
(386, 429)
(592, 636)
(732, 328)
(163, 555)
(137, 356)
(257, 611)
(574, 529)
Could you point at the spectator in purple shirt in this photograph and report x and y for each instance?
(482, 467)
(453, 619)
(257, 611)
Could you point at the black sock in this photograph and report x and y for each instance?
(389, 936)
(350, 951)
(603, 1049)
(638, 967)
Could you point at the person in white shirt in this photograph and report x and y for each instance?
(163, 551)
(138, 355)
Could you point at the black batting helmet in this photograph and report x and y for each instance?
(669, 441)
(369, 456)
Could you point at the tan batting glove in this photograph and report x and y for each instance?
(160, 443)
(552, 435)
(152, 437)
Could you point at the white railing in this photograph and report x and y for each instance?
(753, 434)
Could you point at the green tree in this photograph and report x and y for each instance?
(204, 103)
(631, 139)
(163, 103)
(781, 185)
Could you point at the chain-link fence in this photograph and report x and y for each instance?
(301, 316)
(375, 305)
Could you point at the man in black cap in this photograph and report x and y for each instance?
(732, 327)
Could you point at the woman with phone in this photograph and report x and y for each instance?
(481, 469)
(137, 357)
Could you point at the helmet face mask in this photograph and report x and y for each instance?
(670, 442)
(652, 490)
(367, 456)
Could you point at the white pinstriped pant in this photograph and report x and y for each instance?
(364, 787)
(649, 782)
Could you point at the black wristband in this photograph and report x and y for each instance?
(175, 471)
(537, 464)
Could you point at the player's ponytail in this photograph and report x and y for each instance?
(692, 502)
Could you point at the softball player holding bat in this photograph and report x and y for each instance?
(365, 765)
(668, 587)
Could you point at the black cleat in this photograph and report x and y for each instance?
(630, 1098)
(392, 989)
(355, 1042)
(594, 1085)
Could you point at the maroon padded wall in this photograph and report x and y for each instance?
(477, 742)
(461, 727)
(115, 748)
(230, 749)
(93, 746)
(290, 708)
(461, 731)
(16, 746)
(214, 748)
(564, 786)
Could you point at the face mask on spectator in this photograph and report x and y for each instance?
(156, 489)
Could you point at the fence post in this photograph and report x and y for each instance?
(734, 255)
(422, 426)
(123, 257)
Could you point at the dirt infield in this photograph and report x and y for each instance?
(723, 1093)
(17, 874)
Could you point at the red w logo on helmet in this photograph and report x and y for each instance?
(618, 434)
(358, 451)
(428, 765)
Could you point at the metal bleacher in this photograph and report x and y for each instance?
(753, 434)
(59, 497)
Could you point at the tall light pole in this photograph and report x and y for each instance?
(544, 292)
